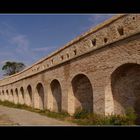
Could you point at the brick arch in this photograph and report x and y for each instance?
(7, 95)
(3, 95)
(40, 91)
(7, 92)
(16, 96)
(22, 99)
(57, 95)
(125, 86)
(22, 92)
(30, 95)
(12, 95)
(0, 95)
(83, 92)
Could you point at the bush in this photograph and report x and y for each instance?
(80, 114)
(116, 120)
(131, 115)
(82, 117)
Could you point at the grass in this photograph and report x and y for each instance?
(61, 116)
(82, 117)
(109, 120)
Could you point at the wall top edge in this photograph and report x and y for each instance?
(82, 36)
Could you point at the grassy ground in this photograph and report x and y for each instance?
(60, 116)
(80, 117)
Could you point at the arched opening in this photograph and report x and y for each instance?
(83, 93)
(0, 95)
(7, 94)
(3, 95)
(125, 84)
(29, 89)
(12, 96)
(57, 96)
(22, 95)
(22, 92)
(40, 91)
(16, 96)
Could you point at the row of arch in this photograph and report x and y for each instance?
(83, 94)
(17, 97)
(125, 88)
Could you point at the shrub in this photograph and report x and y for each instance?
(80, 114)
(132, 117)
(84, 118)
(130, 113)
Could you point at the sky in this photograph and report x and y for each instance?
(29, 37)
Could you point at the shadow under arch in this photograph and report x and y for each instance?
(40, 90)
(12, 95)
(125, 86)
(22, 94)
(83, 92)
(57, 95)
(16, 96)
(29, 90)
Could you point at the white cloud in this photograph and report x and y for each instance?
(18, 44)
(12, 36)
(6, 30)
(21, 43)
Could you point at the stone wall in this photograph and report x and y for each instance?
(83, 70)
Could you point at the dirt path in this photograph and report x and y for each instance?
(20, 117)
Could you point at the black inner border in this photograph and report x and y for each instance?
(69, 6)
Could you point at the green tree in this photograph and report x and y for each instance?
(11, 68)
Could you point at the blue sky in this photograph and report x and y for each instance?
(27, 38)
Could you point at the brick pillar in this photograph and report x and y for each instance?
(50, 98)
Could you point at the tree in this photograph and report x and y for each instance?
(11, 68)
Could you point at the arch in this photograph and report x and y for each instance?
(16, 96)
(125, 85)
(22, 92)
(3, 95)
(83, 92)
(12, 95)
(40, 90)
(29, 89)
(7, 92)
(22, 95)
(57, 95)
(7, 95)
(0, 95)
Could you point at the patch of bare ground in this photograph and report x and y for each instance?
(5, 120)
